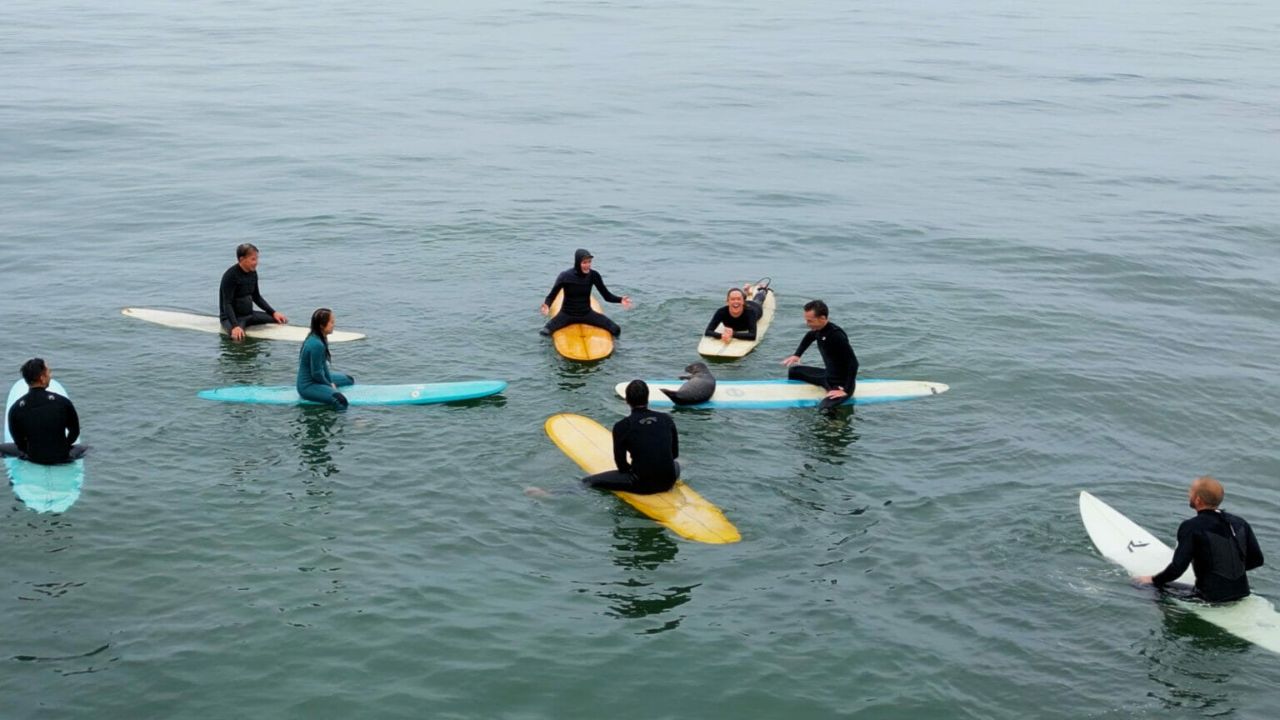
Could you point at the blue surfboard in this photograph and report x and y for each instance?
(423, 394)
(770, 394)
(43, 488)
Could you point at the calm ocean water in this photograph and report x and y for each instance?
(1067, 212)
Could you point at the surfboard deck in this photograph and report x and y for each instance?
(680, 509)
(1130, 546)
(43, 488)
(421, 394)
(211, 324)
(735, 348)
(581, 342)
(772, 394)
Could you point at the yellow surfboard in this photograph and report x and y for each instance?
(580, 341)
(684, 511)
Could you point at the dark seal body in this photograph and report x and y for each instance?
(698, 387)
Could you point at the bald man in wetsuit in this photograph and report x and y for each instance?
(1220, 547)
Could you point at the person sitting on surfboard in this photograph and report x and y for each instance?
(1219, 546)
(738, 317)
(654, 445)
(238, 293)
(576, 282)
(316, 382)
(840, 374)
(44, 425)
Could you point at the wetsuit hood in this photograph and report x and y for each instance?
(578, 256)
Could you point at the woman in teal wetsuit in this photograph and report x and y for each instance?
(316, 382)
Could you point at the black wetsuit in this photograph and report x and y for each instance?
(576, 307)
(44, 426)
(1220, 547)
(743, 326)
(841, 369)
(654, 445)
(236, 296)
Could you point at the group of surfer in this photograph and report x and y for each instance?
(1220, 547)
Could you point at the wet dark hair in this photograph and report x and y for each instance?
(319, 319)
(245, 249)
(817, 307)
(33, 369)
(738, 290)
(637, 393)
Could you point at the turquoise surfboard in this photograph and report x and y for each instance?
(43, 488)
(770, 394)
(358, 394)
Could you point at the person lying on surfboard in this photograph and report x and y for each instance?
(576, 282)
(1219, 546)
(316, 381)
(238, 293)
(840, 372)
(44, 425)
(737, 319)
(651, 439)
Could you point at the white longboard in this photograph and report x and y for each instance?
(211, 324)
(772, 394)
(1127, 544)
(735, 348)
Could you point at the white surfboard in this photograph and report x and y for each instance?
(773, 394)
(211, 324)
(1127, 544)
(735, 348)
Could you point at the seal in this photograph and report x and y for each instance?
(698, 387)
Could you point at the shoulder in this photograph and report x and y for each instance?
(595, 275)
(836, 329)
(564, 275)
(230, 272)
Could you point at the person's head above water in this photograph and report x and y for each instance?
(637, 394)
(321, 322)
(815, 314)
(735, 299)
(35, 371)
(1205, 493)
(582, 261)
(247, 256)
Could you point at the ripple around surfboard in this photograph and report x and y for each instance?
(680, 509)
(1130, 546)
(211, 324)
(772, 394)
(421, 394)
(43, 488)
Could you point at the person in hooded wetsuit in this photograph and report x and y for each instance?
(1220, 547)
(839, 376)
(651, 439)
(238, 293)
(44, 424)
(738, 316)
(316, 381)
(576, 282)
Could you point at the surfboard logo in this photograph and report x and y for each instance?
(1133, 545)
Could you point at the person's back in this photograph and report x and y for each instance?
(44, 424)
(1220, 554)
(650, 438)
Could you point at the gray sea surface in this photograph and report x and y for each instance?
(1068, 212)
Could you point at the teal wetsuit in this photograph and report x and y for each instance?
(315, 379)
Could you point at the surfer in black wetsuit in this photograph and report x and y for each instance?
(239, 291)
(841, 365)
(1220, 547)
(651, 439)
(44, 424)
(738, 318)
(576, 282)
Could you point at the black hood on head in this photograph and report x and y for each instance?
(578, 256)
